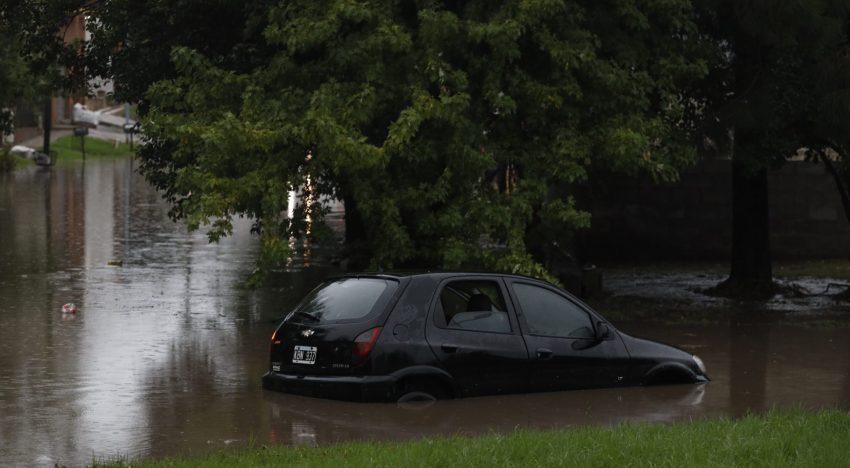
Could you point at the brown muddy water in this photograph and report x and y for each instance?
(166, 351)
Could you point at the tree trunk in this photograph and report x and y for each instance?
(840, 183)
(354, 229)
(751, 273)
(356, 244)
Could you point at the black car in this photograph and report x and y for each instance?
(387, 337)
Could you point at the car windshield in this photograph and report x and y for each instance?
(343, 299)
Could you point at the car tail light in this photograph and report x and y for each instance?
(275, 341)
(364, 342)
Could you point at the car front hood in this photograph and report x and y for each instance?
(654, 353)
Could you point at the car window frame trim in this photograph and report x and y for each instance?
(513, 320)
(594, 318)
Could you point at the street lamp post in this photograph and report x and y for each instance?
(47, 124)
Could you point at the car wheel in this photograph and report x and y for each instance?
(420, 390)
(669, 376)
(410, 397)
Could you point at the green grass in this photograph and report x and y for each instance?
(783, 438)
(68, 148)
(831, 268)
(9, 162)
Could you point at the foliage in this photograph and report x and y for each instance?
(32, 53)
(780, 75)
(776, 439)
(449, 128)
(451, 131)
(132, 40)
(14, 79)
(778, 83)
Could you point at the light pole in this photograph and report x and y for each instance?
(47, 124)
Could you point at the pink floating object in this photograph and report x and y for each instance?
(69, 308)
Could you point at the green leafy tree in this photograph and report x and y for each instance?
(449, 129)
(33, 52)
(38, 28)
(403, 108)
(779, 83)
(15, 79)
(131, 40)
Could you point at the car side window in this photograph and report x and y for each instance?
(472, 305)
(549, 314)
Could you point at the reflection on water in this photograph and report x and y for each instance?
(166, 351)
(160, 344)
(305, 421)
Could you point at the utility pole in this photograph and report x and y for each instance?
(47, 124)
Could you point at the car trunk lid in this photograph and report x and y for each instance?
(319, 337)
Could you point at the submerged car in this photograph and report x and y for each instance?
(394, 337)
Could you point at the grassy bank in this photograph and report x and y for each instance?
(830, 268)
(787, 438)
(9, 162)
(69, 147)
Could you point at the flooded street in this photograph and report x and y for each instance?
(166, 352)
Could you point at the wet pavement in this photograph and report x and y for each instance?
(166, 351)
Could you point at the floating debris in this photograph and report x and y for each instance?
(69, 308)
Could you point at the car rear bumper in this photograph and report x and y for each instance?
(369, 388)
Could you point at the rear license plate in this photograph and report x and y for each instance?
(304, 355)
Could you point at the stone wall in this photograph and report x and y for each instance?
(636, 219)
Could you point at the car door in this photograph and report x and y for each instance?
(560, 335)
(475, 336)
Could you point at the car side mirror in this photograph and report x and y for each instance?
(602, 331)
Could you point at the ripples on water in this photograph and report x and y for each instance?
(166, 351)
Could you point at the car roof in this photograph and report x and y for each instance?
(437, 274)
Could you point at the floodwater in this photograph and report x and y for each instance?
(812, 296)
(166, 351)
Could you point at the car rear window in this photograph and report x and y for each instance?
(343, 299)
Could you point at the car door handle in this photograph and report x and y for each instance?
(543, 353)
(448, 348)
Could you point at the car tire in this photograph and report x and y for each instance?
(414, 396)
(669, 377)
(420, 390)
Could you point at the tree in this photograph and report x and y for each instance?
(401, 108)
(447, 128)
(32, 52)
(131, 41)
(779, 83)
(15, 80)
